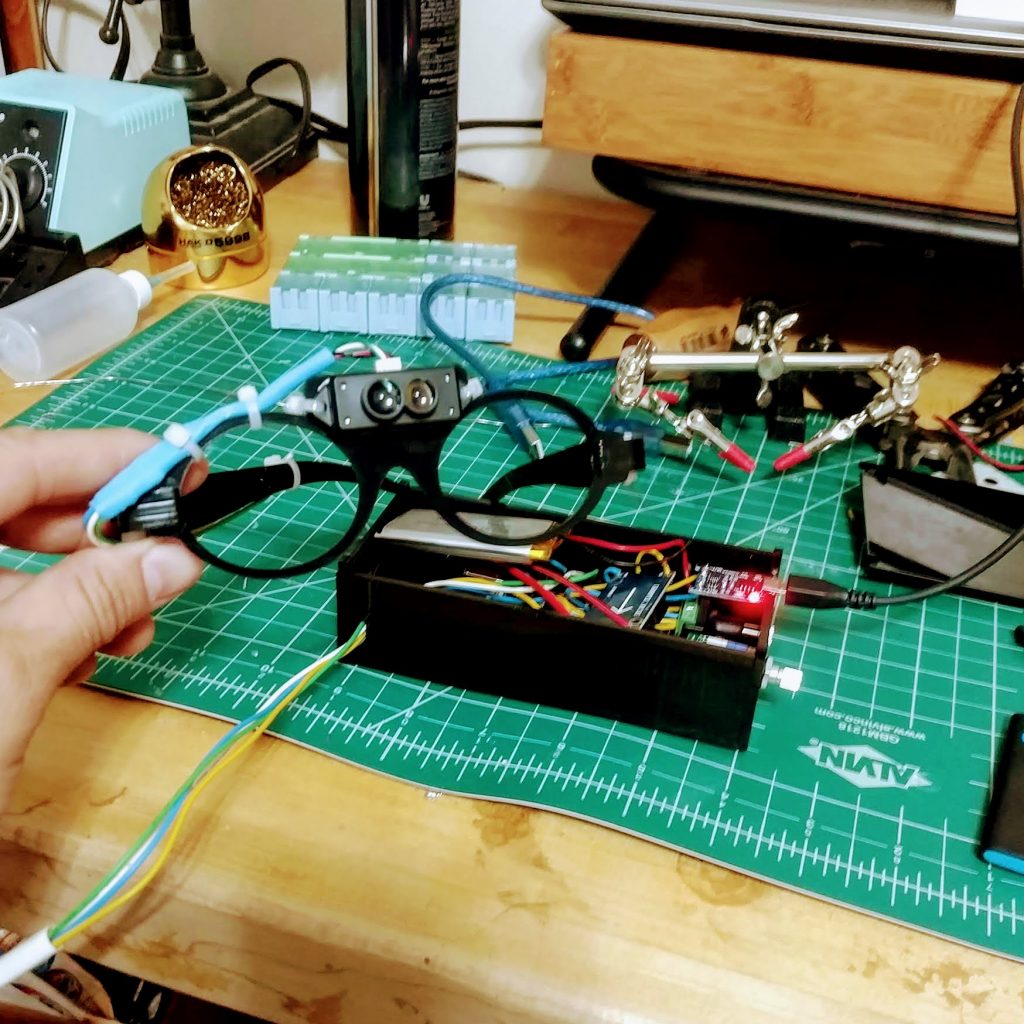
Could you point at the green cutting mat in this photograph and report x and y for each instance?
(867, 787)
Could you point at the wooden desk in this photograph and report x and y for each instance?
(309, 891)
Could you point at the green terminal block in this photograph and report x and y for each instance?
(361, 285)
(689, 615)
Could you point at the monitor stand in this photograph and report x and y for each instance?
(673, 195)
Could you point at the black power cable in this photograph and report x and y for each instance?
(808, 592)
(465, 126)
(309, 119)
(306, 110)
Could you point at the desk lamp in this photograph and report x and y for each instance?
(268, 137)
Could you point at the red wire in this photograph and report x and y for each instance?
(1006, 467)
(603, 608)
(635, 549)
(628, 549)
(545, 595)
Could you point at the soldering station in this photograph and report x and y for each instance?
(487, 527)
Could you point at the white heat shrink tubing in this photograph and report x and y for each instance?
(29, 954)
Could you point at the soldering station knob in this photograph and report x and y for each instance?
(31, 180)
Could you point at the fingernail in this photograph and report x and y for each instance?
(168, 569)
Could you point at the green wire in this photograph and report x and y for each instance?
(208, 761)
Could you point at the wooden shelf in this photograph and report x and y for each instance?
(911, 135)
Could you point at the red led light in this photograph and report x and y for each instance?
(754, 597)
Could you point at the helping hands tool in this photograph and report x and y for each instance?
(904, 368)
(640, 364)
(631, 392)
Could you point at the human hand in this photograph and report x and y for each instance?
(53, 623)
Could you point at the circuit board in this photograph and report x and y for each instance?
(867, 787)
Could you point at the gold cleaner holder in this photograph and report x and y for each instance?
(203, 204)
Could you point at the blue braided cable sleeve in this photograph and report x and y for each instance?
(152, 466)
(506, 284)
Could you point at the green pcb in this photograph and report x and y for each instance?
(867, 787)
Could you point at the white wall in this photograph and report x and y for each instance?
(502, 75)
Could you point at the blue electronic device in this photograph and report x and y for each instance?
(82, 149)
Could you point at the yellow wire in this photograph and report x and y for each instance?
(532, 602)
(203, 782)
(168, 844)
(655, 554)
(681, 584)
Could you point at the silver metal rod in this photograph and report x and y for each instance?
(672, 366)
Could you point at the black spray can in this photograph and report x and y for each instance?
(403, 80)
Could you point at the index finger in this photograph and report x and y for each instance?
(62, 467)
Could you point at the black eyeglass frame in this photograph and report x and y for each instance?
(373, 452)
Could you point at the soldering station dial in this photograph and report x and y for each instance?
(35, 179)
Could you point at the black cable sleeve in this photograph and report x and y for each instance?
(868, 600)
(306, 110)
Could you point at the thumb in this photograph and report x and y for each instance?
(74, 608)
(60, 618)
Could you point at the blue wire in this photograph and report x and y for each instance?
(505, 284)
(144, 852)
(513, 415)
(551, 372)
(681, 597)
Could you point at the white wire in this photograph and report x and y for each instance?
(93, 534)
(12, 215)
(496, 587)
(359, 346)
(146, 850)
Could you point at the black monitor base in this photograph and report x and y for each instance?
(261, 132)
(673, 195)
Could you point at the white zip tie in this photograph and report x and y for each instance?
(178, 435)
(277, 460)
(248, 396)
(298, 405)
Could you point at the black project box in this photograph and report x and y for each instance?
(594, 667)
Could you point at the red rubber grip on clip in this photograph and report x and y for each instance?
(791, 458)
(738, 457)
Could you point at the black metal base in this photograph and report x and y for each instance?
(30, 264)
(254, 128)
(674, 194)
(918, 528)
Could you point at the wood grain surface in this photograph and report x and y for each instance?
(911, 135)
(20, 28)
(306, 890)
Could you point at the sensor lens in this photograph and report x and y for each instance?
(420, 397)
(382, 400)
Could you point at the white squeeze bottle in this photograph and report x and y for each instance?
(73, 320)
